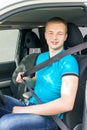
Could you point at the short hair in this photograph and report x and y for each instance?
(56, 20)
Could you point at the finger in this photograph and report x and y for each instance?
(25, 78)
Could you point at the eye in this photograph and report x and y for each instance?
(60, 33)
(50, 33)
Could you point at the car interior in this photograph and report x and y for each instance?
(31, 42)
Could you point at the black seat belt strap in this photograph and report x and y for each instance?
(71, 50)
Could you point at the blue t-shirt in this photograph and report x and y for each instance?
(49, 79)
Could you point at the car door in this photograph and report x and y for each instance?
(8, 46)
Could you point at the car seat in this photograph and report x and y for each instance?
(73, 119)
(33, 44)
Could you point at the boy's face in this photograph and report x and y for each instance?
(55, 35)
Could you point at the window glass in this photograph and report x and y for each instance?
(83, 30)
(8, 42)
(36, 31)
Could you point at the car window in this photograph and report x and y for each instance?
(83, 30)
(8, 42)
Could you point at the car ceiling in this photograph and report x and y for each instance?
(36, 17)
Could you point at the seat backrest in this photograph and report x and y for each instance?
(32, 43)
(73, 119)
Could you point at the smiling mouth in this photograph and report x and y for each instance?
(55, 43)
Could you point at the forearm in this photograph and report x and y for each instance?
(51, 108)
(45, 109)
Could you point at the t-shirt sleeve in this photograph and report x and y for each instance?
(69, 66)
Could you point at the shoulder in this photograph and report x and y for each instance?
(69, 59)
(43, 54)
(42, 57)
(69, 65)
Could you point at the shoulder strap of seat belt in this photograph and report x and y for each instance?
(71, 50)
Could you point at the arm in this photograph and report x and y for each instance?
(63, 104)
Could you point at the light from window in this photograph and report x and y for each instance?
(8, 42)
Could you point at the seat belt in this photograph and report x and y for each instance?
(72, 50)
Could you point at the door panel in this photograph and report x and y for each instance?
(6, 71)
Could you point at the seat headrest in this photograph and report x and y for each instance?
(74, 36)
(32, 40)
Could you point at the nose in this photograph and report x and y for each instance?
(55, 37)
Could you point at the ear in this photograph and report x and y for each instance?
(66, 36)
(45, 35)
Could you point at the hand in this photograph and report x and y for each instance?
(19, 78)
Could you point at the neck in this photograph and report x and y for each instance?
(54, 52)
